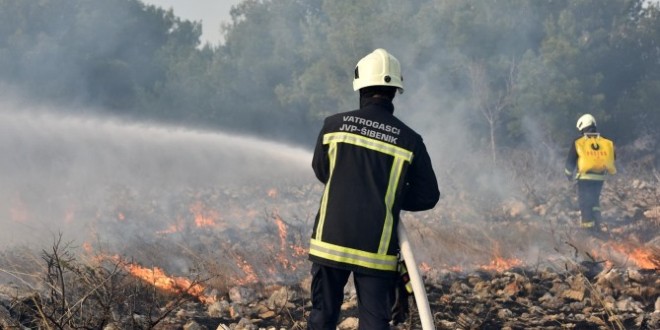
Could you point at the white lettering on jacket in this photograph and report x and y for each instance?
(374, 124)
(363, 127)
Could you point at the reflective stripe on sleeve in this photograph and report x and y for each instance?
(395, 174)
(332, 155)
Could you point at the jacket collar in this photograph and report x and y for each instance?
(379, 102)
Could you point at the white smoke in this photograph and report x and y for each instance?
(53, 165)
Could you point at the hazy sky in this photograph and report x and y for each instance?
(211, 12)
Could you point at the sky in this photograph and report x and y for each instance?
(210, 12)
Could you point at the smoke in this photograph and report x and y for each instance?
(54, 166)
(211, 14)
(461, 158)
(66, 173)
(438, 103)
(478, 192)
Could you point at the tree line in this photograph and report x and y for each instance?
(285, 64)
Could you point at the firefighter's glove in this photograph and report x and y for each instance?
(404, 277)
(403, 289)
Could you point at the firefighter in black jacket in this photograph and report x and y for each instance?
(589, 160)
(373, 166)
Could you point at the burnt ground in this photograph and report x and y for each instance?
(516, 262)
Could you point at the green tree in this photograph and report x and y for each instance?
(98, 52)
(638, 72)
(286, 64)
(589, 60)
(260, 54)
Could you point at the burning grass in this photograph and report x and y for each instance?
(66, 292)
(109, 292)
(219, 255)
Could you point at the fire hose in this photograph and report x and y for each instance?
(421, 299)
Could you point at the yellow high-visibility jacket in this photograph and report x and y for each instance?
(591, 157)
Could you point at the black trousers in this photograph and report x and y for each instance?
(589, 200)
(375, 298)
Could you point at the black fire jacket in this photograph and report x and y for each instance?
(373, 166)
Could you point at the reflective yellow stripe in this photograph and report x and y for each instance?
(332, 155)
(395, 174)
(591, 176)
(587, 224)
(352, 256)
(368, 143)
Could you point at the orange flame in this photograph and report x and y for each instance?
(500, 264)
(284, 254)
(173, 228)
(69, 215)
(161, 280)
(272, 193)
(643, 258)
(281, 229)
(158, 278)
(18, 211)
(204, 217)
(87, 247)
(298, 250)
(250, 274)
(456, 269)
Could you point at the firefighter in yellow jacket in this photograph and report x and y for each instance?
(589, 161)
(373, 166)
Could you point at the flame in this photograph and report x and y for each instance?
(173, 228)
(643, 258)
(456, 269)
(500, 264)
(617, 252)
(18, 210)
(161, 280)
(158, 278)
(298, 250)
(272, 193)
(204, 217)
(286, 251)
(250, 274)
(87, 247)
(69, 215)
(281, 229)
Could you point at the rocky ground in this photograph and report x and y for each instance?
(497, 263)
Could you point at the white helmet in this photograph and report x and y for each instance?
(585, 121)
(379, 68)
